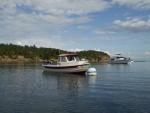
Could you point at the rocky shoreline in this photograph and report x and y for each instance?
(6, 59)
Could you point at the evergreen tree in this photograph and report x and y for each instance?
(32, 52)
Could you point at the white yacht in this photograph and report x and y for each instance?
(119, 59)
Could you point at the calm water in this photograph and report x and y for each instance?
(25, 88)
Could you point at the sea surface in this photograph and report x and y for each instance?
(117, 88)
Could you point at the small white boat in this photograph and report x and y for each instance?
(119, 59)
(68, 63)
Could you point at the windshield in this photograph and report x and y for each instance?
(77, 58)
(62, 59)
(73, 58)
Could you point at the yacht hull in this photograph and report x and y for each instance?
(119, 62)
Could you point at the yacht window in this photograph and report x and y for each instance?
(112, 59)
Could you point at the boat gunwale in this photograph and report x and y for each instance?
(61, 66)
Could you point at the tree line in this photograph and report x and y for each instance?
(33, 52)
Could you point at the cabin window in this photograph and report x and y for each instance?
(63, 59)
(77, 58)
(59, 60)
(71, 58)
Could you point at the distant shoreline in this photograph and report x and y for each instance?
(27, 60)
(20, 60)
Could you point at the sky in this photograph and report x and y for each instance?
(111, 26)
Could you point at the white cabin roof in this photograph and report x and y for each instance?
(68, 55)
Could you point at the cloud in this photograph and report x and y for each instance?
(33, 23)
(107, 52)
(147, 53)
(135, 4)
(107, 31)
(132, 25)
(19, 43)
(52, 42)
(21, 18)
(95, 49)
(76, 50)
(55, 7)
(83, 27)
(67, 7)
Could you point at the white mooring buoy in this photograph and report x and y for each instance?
(91, 72)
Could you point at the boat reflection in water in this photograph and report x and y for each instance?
(64, 84)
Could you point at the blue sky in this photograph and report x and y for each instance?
(111, 26)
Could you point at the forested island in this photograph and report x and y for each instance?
(15, 53)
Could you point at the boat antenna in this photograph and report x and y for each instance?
(59, 51)
(59, 41)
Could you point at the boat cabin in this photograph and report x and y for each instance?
(118, 57)
(68, 58)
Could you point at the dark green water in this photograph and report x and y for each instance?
(25, 88)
